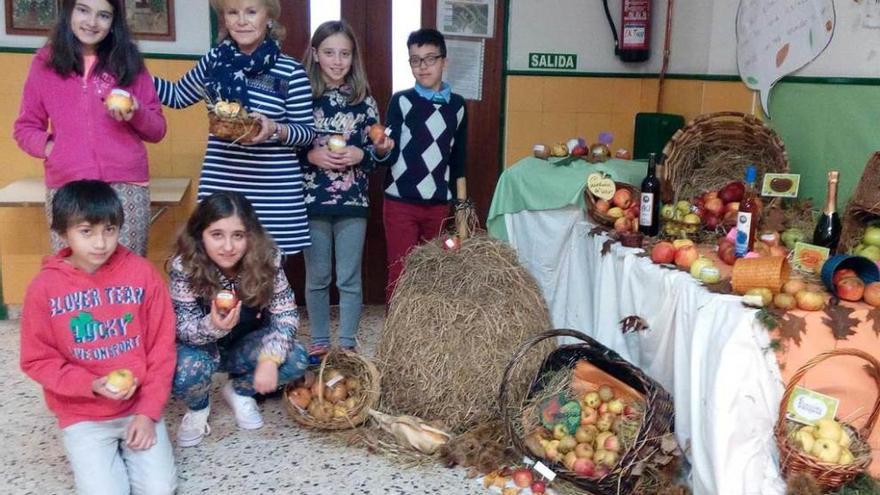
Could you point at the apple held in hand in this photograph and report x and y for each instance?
(336, 142)
(225, 300)
(377, 133)
(120, 381)
(119, 99)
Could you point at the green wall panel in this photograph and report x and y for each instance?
(826, 127)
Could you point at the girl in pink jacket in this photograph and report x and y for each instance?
(67, 119)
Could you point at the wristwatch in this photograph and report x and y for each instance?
(277, 134)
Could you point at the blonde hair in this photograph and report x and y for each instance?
(278, 32)
(356, 78)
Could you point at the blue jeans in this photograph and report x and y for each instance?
(103, 465)
(196, 365)
(346, 235)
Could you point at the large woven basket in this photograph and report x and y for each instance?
(863, 206)
(236, 129)
(717, 147)
(771, 272)
(349, 364)
(657, 422)
(829, 476)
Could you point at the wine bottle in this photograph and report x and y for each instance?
(649, 208)
(747, 216)
(827, 233)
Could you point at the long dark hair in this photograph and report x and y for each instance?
(357, 75)
(117, 53)
(256, 283)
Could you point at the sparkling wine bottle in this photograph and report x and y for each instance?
(827, 233)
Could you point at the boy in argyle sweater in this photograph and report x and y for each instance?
(430, 124)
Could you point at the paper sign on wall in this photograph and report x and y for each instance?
(777, 37)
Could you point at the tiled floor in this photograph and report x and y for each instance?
(279, 458)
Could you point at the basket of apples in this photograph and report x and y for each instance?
(588, 414)
(620, 212)
(832, 452)
(337, 395)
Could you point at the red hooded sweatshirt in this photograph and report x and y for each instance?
(78, 326)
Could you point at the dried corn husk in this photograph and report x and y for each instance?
(411, 431)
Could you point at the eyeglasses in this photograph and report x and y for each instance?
(429, 60)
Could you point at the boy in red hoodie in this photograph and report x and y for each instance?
(94, 308)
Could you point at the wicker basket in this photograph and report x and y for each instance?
(659, 410)
(350, 364)
(233, 129)
(601, 218)
(726, 142)
(863, 206)
(829, 476)
(769, 272)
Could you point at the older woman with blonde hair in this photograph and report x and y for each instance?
(247, 67)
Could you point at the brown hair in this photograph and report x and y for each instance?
(257, 268)
(356, 77)
(277, 32)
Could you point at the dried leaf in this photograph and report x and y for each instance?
(606, 246)
(633, 323)
(774, 219)
(874, 316)
(721, 287)
(668, 443)
(598, 229)
(839, 319)
(791, 327)
(642, 254)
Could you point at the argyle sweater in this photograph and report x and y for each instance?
(430, 151)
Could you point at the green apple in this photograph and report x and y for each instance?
(667, 212)
(698, 265)
(872, 236)
(828, 429)
(683, 206)
(826, 450)
(792, 236)
(871, 252)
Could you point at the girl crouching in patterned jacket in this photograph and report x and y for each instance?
(253, 338)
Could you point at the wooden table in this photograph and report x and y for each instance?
(164, 192)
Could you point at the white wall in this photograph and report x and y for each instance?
(703, 39)
(192, 25)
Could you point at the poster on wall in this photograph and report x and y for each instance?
(151, 19)
(466, 18)
(464, 73)
(30, 17)
(777, 37)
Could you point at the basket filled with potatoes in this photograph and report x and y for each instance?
(337, 394)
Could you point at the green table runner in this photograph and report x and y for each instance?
(536, 184)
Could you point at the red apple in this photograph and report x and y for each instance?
(522, 477)
(225, 300)
(602, 206)
(851, 289)
(622, 198)
(872, 294)
(584, 467)
(539, 487)
(685, 256)
(734, 206)
(715, 205)
(632, 212)
(732, 192)
(727, 254)
(663, 252)
(842, 274)
(711, 220)
(709, 195)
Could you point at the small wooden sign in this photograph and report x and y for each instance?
(601, 185)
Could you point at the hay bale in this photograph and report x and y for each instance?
(455, 320)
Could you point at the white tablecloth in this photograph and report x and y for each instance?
(706, 349)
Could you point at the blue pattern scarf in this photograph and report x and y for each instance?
(228, 74)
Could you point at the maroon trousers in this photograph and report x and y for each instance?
(406, 226)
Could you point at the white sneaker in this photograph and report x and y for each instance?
(247, 413)
(193, 427)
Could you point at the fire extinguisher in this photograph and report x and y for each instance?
(634, 42)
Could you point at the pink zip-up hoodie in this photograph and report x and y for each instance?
(88, 142)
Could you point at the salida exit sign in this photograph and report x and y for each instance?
(552, 61)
